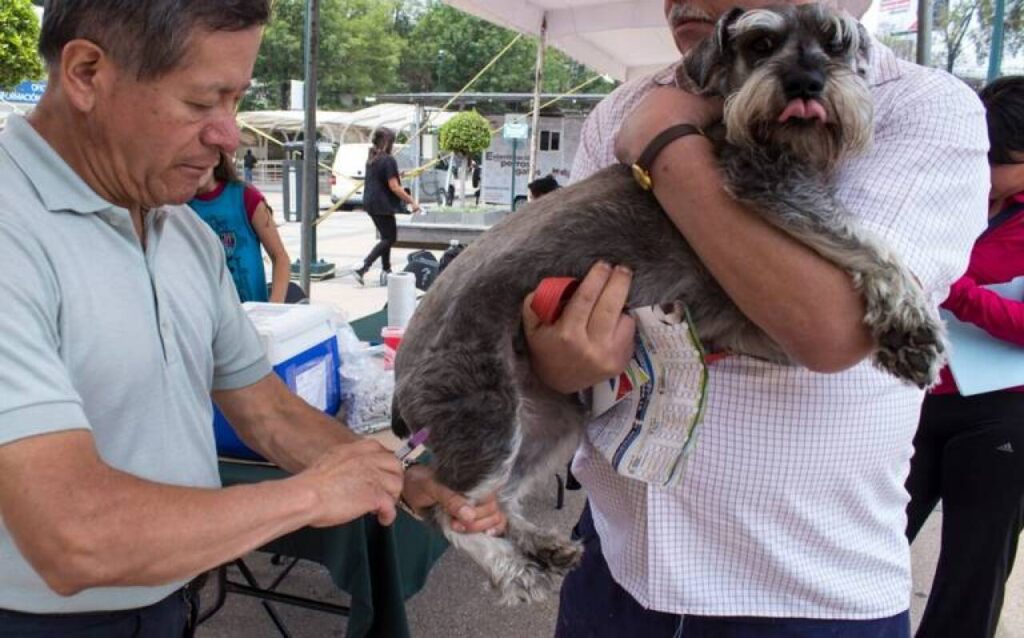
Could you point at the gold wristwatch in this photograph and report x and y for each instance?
(642, 167)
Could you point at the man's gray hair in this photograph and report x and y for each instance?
(149, 37)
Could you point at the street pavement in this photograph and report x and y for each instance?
(455, 603)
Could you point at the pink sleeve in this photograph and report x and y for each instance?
(252, 198)
(1000, 317)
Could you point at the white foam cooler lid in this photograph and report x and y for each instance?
(289, 329)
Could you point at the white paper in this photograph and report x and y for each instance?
(979, 362)
(401, 298)
(647, 434)
(311, 385)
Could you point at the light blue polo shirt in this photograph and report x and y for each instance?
(97, 334)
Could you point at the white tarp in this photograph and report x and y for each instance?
(343, 127)
(621, 38)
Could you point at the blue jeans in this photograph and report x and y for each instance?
(593, 605)
(168, 618)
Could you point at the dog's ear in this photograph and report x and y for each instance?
(701, 70)
(863, 49)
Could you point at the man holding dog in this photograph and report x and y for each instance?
(790, 517)
(120, 318)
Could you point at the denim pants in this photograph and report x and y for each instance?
(168, 618)
(593, 605)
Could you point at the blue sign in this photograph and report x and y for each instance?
(28, 92)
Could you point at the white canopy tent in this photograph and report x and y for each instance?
(343, 127)
(620, 38)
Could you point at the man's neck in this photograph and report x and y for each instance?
(66, 133)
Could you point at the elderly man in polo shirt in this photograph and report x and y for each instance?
(120, 318)
(790, 518)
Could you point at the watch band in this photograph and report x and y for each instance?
(642, 167)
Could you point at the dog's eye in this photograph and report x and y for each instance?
(835, 46)
(763, 46)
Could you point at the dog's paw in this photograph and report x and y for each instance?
(558, 557)
(910, 338)
(525, 581)
(536, 572)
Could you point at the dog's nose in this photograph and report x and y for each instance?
(803, 83)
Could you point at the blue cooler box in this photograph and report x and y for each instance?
(302, 346)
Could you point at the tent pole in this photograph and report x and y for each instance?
(538, 80)
(924, 32)
(311, 188)
(995, 56)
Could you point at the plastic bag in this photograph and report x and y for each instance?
(366, 387)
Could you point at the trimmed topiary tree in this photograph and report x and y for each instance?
(19, 37)
(467, 134)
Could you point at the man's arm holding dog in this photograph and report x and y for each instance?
(818, 322)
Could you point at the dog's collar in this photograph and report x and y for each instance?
(642, 167)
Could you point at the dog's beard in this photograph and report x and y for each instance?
(751, 118)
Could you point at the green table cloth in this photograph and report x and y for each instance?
(379, 567)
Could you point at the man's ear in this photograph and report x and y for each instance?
(702, 69)
(81, 63)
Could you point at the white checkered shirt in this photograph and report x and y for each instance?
(792, 503)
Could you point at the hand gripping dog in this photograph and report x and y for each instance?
(796, 105)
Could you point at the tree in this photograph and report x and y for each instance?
(467, 134)
(359, 50)
(953, 21)
(448, 47)
(19, 39)
(1013, 28)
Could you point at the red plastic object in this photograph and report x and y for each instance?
(551, 296)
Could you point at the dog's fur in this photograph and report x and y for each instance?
(463, 369)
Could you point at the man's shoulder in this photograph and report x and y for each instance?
(919, 89)
(622, 100)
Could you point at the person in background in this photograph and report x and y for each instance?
(240, 217)
(383, 198)
(248, 163)
(475, 174)
(542, 186)
(968, 448)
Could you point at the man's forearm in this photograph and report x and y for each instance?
(296, 435)
(803, 301)
(134, 532)
(272, 420)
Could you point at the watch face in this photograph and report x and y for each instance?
(642, 177)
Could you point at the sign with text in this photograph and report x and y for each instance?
(516, 127)
(28, 92)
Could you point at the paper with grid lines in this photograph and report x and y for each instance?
(647, 433)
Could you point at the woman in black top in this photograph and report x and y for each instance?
(383, 196)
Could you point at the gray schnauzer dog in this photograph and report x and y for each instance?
(796, 105)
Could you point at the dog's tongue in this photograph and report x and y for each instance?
(803, 110)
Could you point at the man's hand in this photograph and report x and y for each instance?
(661, 108)
(592, 341)
(422, 491)
(353, 479)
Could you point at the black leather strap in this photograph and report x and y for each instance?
(642, 167)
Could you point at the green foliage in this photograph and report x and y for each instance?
(467, 134)
(958, 22)
(19, 38)
(1013, 28)
(360, 48)
(448, 47)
